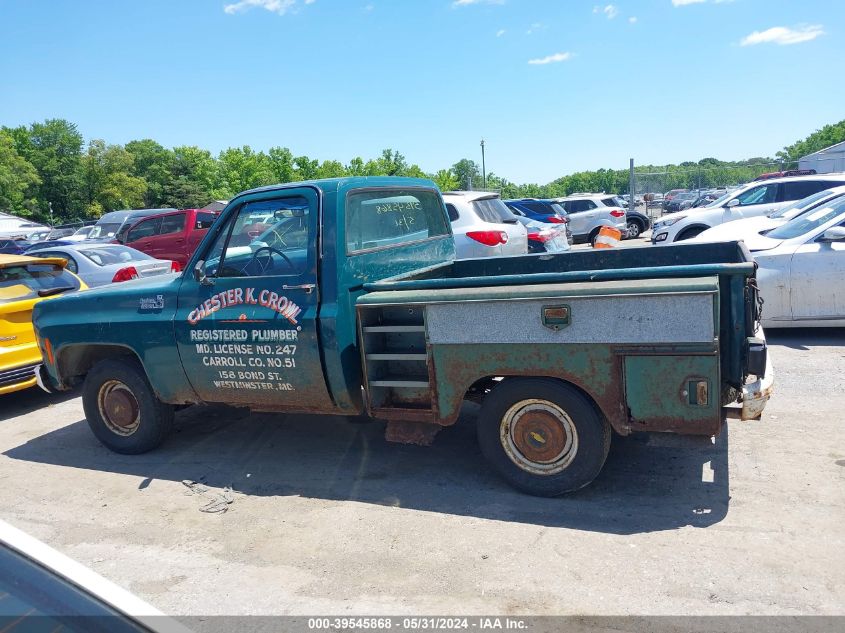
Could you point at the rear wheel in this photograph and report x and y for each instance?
(593, 237)
(543, 436)
(122, 410)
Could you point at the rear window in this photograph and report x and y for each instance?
(453, 212)
(538, 207)
(27, 281)
(112, 255)
(492, 210)
(803, 188)
(385, 218)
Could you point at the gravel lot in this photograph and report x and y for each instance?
(327, 518)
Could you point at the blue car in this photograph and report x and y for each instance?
(13, 247)
(47, 244)
(541, 211)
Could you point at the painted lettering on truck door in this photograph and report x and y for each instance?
(247, 328)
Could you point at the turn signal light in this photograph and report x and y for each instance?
(489, 238)
(175, 267)
(125, 274)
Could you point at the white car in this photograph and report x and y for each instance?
(80, 235)
(749, 227)
(588, 212)
(752, 200)
(801, 269)
(483, 226)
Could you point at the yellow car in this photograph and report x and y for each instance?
(24, 281)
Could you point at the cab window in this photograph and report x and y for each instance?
(147, 228)
(172, 224)
(387, 218)
(266, 237)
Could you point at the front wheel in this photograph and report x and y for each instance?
(634, 230)
(543, 436)
(122, 410)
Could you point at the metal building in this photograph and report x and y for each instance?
(825, 160)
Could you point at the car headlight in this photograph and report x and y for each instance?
(670, 221)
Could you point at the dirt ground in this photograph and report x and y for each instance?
(326, 518)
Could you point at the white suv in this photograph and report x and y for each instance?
(483, 226)
(754, 199)
(588, 212)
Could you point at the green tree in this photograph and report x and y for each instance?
(331, 169)
(18, 179)
(242, 168)
(281, 163)
(55, 149)
(829, 135)
(446, 180)
(468, 174)
(107, 181)
(154, 164)
(194, 181)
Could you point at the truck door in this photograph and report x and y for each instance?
(246, 321)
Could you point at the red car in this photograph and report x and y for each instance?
(172, 235)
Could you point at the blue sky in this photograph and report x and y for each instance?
(553, 86)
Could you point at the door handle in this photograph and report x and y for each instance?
(308, 288)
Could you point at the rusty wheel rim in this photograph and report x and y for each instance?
(539, 437)
(119, 408)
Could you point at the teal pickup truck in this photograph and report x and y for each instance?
(343, 297)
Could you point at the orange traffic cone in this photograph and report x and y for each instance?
(608, 237)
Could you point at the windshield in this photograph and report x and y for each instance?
(19, 282)
(801, 205)
(104, 256)
(718, 202)
(809, 221)
(108, 229)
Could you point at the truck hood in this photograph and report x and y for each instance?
(138, 295)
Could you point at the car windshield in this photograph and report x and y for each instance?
(107, 255)
(801, 205)
(25, 281)
(718, 202)
(803, 224)
(107, 229)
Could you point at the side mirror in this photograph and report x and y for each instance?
(833, 234)
(732, 203)
(199, 274)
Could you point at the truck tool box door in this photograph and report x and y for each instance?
(246, 324)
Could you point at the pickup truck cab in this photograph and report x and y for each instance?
(344, 297)
(173, 235)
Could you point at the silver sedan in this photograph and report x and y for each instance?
(101, 264)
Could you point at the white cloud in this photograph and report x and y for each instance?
(610, 11)
(369, 7)
(551, 59)
(783, 35)
(500, 32)
(466, 3)
(632, 19)
(537, 26)
(681, 3)
(274, 6)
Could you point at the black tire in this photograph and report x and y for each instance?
(570, 469)
(688, 234)
(634, 229)
(593, 237)
(140, 421)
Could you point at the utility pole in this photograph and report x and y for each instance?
(631, 185)
(50, 205)
(483, 167)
